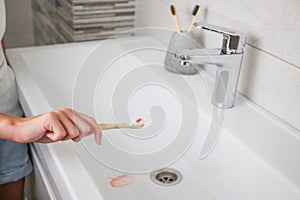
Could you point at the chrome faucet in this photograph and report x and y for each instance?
(227, 59)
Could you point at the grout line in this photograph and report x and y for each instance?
(269, 112)
(270, 54)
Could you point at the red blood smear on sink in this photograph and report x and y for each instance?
(138, 120)
(121, 181)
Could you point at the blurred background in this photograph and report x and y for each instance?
(43, 22)
(19, 27)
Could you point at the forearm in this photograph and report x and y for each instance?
(58, 125)
(8, 126)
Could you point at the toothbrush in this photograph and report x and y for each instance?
(137, 124)
(195, 13)
(173, 12)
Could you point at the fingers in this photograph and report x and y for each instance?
(76, 139)
(85, 125)
(82, 126)
(44, 139)
(65, 124)
(54, 129)
(70, 128)
(94, 127)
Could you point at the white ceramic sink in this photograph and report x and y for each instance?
(256, 157)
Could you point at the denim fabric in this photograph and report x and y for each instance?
(14, 161)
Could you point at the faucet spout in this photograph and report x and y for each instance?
(227, 60)
(198, 56)
(227, 72)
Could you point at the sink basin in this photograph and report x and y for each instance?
(240, 153)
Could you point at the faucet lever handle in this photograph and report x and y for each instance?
(233, 41)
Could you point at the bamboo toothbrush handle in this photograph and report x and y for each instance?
(111, 126)
(177, 24)
(194, 19)
(173, 12)
(191, 25)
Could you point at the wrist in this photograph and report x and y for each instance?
(14, 129)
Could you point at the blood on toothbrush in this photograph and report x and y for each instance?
(139, 120)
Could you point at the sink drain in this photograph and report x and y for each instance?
(166, 177)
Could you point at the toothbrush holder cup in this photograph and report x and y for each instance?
(182, 40)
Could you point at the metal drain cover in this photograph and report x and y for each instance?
(166, 177)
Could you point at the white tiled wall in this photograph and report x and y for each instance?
(271, 69)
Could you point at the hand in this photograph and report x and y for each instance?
(59, 125)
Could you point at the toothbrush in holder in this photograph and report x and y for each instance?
(137, 124)
(173, 12)
(195, 13)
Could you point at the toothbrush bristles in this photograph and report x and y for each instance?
(195, 13)
(195, 10)
(173, 10)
